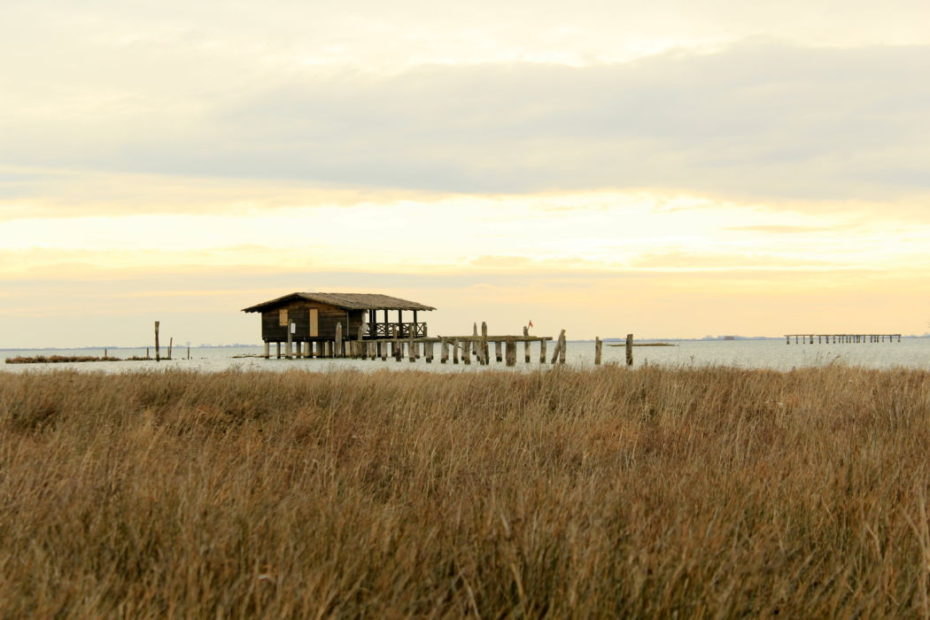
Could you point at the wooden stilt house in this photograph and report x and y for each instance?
(328, 317)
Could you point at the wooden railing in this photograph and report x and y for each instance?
(397, 330)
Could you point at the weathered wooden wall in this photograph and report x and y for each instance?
(299, 313)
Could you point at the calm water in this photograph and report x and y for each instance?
(774, 354)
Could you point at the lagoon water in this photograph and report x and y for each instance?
(911, 352)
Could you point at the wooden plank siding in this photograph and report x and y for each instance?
(298, 312)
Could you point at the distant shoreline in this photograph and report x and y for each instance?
(642, 344)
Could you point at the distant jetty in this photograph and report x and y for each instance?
(841, 338)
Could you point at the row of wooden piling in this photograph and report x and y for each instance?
(841, 338)
(458, 349)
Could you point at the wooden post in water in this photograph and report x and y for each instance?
(485, 351)
(429, 351)
(170, 346)
(629, 349)
(542, 351)
(498, 351)
(412, 348)
(558, 346)
(157, 350)
(444, 352)
(526, 345)
(338, 339)
(290, 340)
(455, 351)
(562, 347)
(597, 350)
(511, 352)
(466, 351)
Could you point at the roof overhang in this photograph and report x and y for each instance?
(345, 301)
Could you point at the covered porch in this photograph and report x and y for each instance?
(379, 326)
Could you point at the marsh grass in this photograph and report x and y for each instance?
(654, 492)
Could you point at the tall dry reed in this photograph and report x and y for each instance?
(653, 492)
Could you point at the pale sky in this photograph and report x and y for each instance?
(673, 170)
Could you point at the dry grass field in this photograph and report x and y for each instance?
(609, 492)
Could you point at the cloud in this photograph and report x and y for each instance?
(764, 120)
(786, 230)
(754, 261)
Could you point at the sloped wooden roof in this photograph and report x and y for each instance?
(347, 301)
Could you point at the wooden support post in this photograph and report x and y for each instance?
(338, 339)
(278, 347)
(148, 355)
(398, 350)
(429, 351)
(267, 350)
(444, 352)
(555, 352)
(629, 349)
(412, 347)
(467, 351)
(485, 348)
(542, 351)
(498, 351)
(157, 350)
(511, 352)
(526, 345)
(170, 346)
(290, 340)
(597, 350)
(455, 351)
(562, 347)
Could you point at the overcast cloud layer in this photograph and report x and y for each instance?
(741, 167)
(761, 120)
(794, 100)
